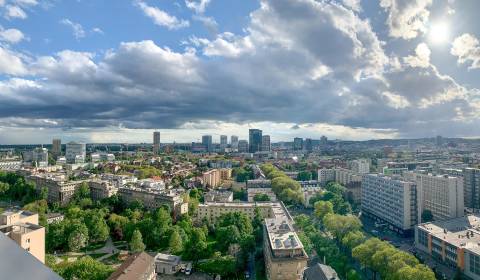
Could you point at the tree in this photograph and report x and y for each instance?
(117, 226)
(175, 243)
(322, 208)
(4, 188)
(340, 225)
(304, 176)
(261, 197)
(83, 191)
(196, 246)
(97, 227)
(427, 216)
(226, 236)
(78, 236)
(136, 244)
(365, 251)
(222, 265)
(55, 238)
(85, 268)
(353, 239)
(44, 193)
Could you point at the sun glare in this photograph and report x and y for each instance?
(438, 33)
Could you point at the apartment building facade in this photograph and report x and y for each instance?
(391, 200)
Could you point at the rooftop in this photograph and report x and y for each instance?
(168, 259)
(134, 267)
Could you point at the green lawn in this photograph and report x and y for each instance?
(95, 246)
(96, 256)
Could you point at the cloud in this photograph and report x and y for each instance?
(209, 23)
(12, 12)
(421, 58)
(162, 18)
(77, 28)
(314, 64)
(467, 49)
(355, 5)
(97, 30)
(197, 6)
(11, 35)
(11, 63)
(406, 18)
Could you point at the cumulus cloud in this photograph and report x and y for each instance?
(314, 64)
(421, 58)
(197, 6)
(12, 11)
(161, 17)
(406, 18)
(467, 48)
(11, 35)
(11, 63)
(355, 5)
(77, 28)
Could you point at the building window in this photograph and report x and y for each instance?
(475, 264)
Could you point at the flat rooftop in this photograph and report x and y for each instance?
(463, 232)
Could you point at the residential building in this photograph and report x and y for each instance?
(207, 142)
(153, 199)
(390, 200)
(54, 217)
(360, 166)
(440, 194)
(76, 152)
(259, 183)
(320, 272)
(266, 147)
(100, 189)
(243, 146)
(18, 263)
(255, 140)
(213, 178)
(285, 257)
(352, 181)
(218, 196)
(23, 228)
(37, 157)
(10, 164)
(471, 185)
(59, 188)
(454, 243)
(252, 192)
(325, 175)
(212, 210)
(310, 190)
(156, 142)
(139, 266)
(298, 144)
(167, 264)
(56, 147)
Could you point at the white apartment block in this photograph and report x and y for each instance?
(441, 194)
(360, 166)
(325, 175)
(390, 200)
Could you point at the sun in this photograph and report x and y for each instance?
(439, 33)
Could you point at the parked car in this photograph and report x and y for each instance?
(188, 269)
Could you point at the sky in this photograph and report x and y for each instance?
(114, 71)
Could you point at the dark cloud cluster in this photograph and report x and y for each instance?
(299, 62)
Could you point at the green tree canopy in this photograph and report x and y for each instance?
(136, 244)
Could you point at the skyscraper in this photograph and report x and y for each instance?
(207, 142)
(323, 141)
(243, 146)
(297, 144)
(76, 152)
(234, 142)
(308, 145)
(266, 143)
(223, 140)
(56, 147)
(255, 140)
(156, 142)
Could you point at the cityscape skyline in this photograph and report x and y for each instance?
(402, 71)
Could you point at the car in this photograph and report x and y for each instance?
(247, 275)
(188, 269)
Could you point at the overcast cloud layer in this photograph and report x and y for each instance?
(320, 66)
